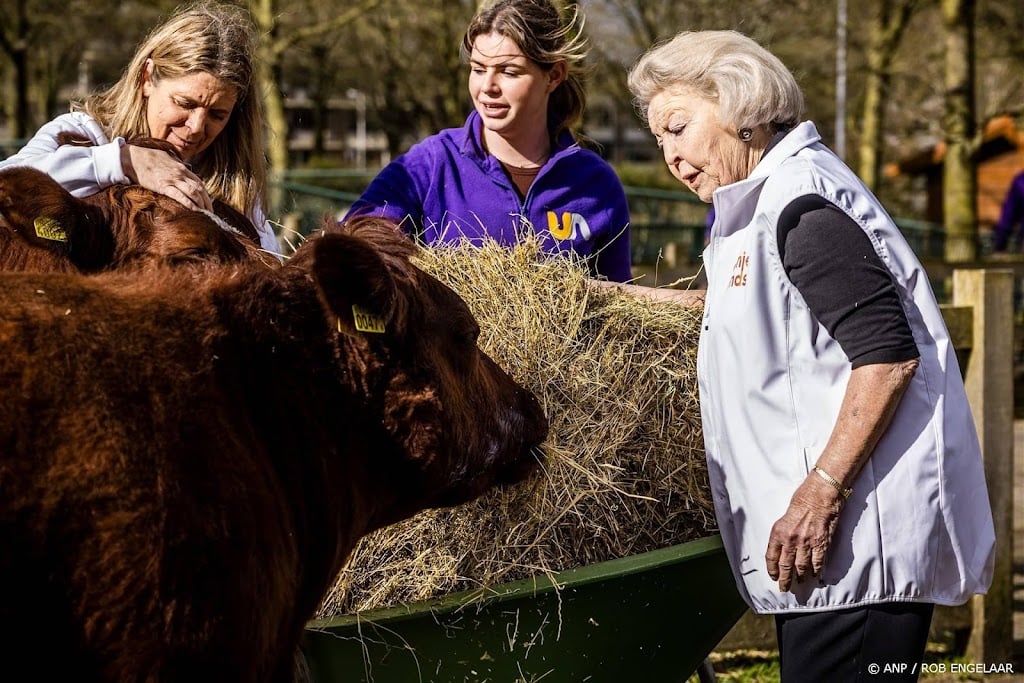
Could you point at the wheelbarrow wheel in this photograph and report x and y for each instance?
(705, 672)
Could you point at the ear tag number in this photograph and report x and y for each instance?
(366, 321)
(49, 229)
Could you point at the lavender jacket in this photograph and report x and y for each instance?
(1012, 216)
(447, 187)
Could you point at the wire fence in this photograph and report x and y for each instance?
(658, 217)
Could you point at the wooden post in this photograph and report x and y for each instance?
(988, 378)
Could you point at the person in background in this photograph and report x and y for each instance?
(515, 167)
(191, 83)
(844, 465)
(1011, 218)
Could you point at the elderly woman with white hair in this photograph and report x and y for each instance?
(844, 465)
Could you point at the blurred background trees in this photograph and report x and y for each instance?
(355, 83)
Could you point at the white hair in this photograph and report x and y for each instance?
(751, 86)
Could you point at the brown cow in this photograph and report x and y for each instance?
(185, 462)
(45, 229)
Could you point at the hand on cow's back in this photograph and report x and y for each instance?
(161, 170)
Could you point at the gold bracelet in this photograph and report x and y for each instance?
(844, 491)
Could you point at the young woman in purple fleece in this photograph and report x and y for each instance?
(515, 167)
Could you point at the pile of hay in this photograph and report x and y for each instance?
(625, 470)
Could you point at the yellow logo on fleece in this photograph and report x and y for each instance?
(571, 226)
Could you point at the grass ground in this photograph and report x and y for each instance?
(940, 665)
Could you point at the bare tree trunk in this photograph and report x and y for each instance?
(319, 97)
(264, 13)
(959, 174)
(887, 25)
(22, 111)
(272, 47)
(15, 42)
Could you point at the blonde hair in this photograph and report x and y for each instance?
(751, 86)
(204, 37)
(546, 38)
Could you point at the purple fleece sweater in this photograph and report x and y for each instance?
(1012, 217)
(446, 188)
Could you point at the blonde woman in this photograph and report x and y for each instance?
(191, 83)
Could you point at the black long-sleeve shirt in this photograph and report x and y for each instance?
(830, 261)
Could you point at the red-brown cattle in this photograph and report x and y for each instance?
(45, 229)
(186, 461)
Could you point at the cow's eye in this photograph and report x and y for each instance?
(189, 254)
(470, 335)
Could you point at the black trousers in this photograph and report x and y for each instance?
(873, 644)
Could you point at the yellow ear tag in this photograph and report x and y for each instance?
(49, 229)
(366, 321)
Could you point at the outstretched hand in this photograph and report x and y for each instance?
(681, 297)
(800, 539)
(159, 171)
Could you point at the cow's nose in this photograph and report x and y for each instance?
(537, 425)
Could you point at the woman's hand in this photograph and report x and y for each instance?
(157, 170)
(800, 540)
(681, 297)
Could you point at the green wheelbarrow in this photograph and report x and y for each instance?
(652, 617)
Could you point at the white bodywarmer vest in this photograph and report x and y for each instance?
(917, 526)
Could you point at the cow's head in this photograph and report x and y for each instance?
(150, 227)
(44, 216)
(458, 422)
(122, 225)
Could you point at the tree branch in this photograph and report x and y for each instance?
(306, 32)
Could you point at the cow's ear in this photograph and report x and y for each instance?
(355, 285)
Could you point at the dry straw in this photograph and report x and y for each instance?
(625, 470)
